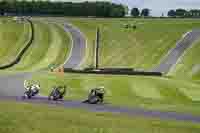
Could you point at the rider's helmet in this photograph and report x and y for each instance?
(27, 85)
(101, 89)
(35, 87)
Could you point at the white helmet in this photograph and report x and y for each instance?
(101, 87)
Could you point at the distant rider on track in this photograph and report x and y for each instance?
(31, 89)
(58, 92)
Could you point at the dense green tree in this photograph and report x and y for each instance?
(145, 12)
(171, 13)
(135, 12)
(118, 11)
(181, 12)
(34, 7)
(194, 13)
(184, 13)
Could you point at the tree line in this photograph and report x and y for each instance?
(97, 9)
(84, 9)
(193, 13)
(135, 12)
(184, 13)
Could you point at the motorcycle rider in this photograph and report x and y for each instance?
(96, 95)
(100, 92)
(59, 91)
(35, 88)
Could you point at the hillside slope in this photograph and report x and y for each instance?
(189, 65)
(50, 47)
(142, 47)
(13, 37)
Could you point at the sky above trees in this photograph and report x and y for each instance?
(157, 6)
(161, 6)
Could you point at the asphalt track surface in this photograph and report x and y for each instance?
(12, 87)
(176, 53)
(78, 47)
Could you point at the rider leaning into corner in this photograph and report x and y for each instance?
(35, 88)
(57, 93)
(60, 90)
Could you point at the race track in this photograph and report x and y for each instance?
(78, 47)
(12, 84)
(174, 54)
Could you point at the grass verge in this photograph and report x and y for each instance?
(42, 118)
(188, 66)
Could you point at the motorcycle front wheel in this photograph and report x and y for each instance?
(26, 95)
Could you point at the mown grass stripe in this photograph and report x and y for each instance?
(37, 50)
(193, 94)
(18, 57)
(174, 95)
(147, 92)
(52, 51)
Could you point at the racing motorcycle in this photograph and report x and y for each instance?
(96, 96)
(57, 93)
(31, 91)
